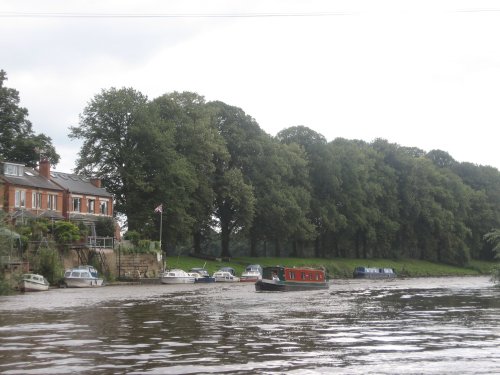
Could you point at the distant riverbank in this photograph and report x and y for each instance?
(340, 267)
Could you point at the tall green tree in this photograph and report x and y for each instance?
(321, 177)
(18, 141)
(234, 198)
(129, 146)
(110, 127)
(485, 205)
(199, 143)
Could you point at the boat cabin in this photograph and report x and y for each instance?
(294, 274)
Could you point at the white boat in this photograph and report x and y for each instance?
(176, 276)
(252, 273)
(32, 282)
(82, 277)
(225, 276)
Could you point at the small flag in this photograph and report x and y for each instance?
(159, 208)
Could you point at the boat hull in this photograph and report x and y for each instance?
(288, 286)
(250, 276)
(178, 280)
(374, 276)
(204, 280)
(226, 280)
(83, 282)
(28, 286)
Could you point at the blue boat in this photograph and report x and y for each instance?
(373, 273)
(201, 275)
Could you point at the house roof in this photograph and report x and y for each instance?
(77, 184)
(31, 178)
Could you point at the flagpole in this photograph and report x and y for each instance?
(160, 210)
(161, 228)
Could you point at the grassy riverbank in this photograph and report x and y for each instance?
(340, 268)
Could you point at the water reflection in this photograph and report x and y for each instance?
(431, 326)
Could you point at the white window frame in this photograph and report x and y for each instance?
(36, 199)
(91, 205)
(79, 208)
(20, 199)
(104, 207)
(52, 202)
(13, 169)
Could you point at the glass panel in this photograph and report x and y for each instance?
(77, 204)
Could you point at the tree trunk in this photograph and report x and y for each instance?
(277, 248)
(294, 248)
(253, 246)
(356, 246)
(197, 242)
(224, 238)
(317, 247)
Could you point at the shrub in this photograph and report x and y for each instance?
(133, 237)
(48, 264)
(66, 232)
(105, 227)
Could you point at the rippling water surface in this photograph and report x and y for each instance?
(411, 326)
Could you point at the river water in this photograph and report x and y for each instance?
(403, 326)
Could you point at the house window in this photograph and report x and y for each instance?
(36, 200)
(104, 207)
(90, 206)
(13, 170)
(77, 204)
(20, 199)
(52, 202)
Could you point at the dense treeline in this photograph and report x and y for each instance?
(216, 171)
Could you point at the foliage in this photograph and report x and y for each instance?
(105, 227)
(493, 237)
(133, 236)
(216, 172)
(4, 250)
(48, 263)
(18, 142)
(141, 247)
(66, 232)
(107, 126)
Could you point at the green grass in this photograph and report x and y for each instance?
(339, 267)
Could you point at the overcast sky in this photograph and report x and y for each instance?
(422, 74)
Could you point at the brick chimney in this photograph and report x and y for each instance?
(96, 182)
(44, 168)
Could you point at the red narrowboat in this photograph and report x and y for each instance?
(286, 279)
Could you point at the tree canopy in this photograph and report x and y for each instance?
(18, 141)
(219, 175)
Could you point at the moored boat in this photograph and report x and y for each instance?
(201, 275)
(32, 282)
(82, 277)
(286, 279)
(225, 276)
(176, 276)
(373, 273)
(252, 273)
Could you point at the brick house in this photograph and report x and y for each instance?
(27, 194)
(83, 199)
(30, 193)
